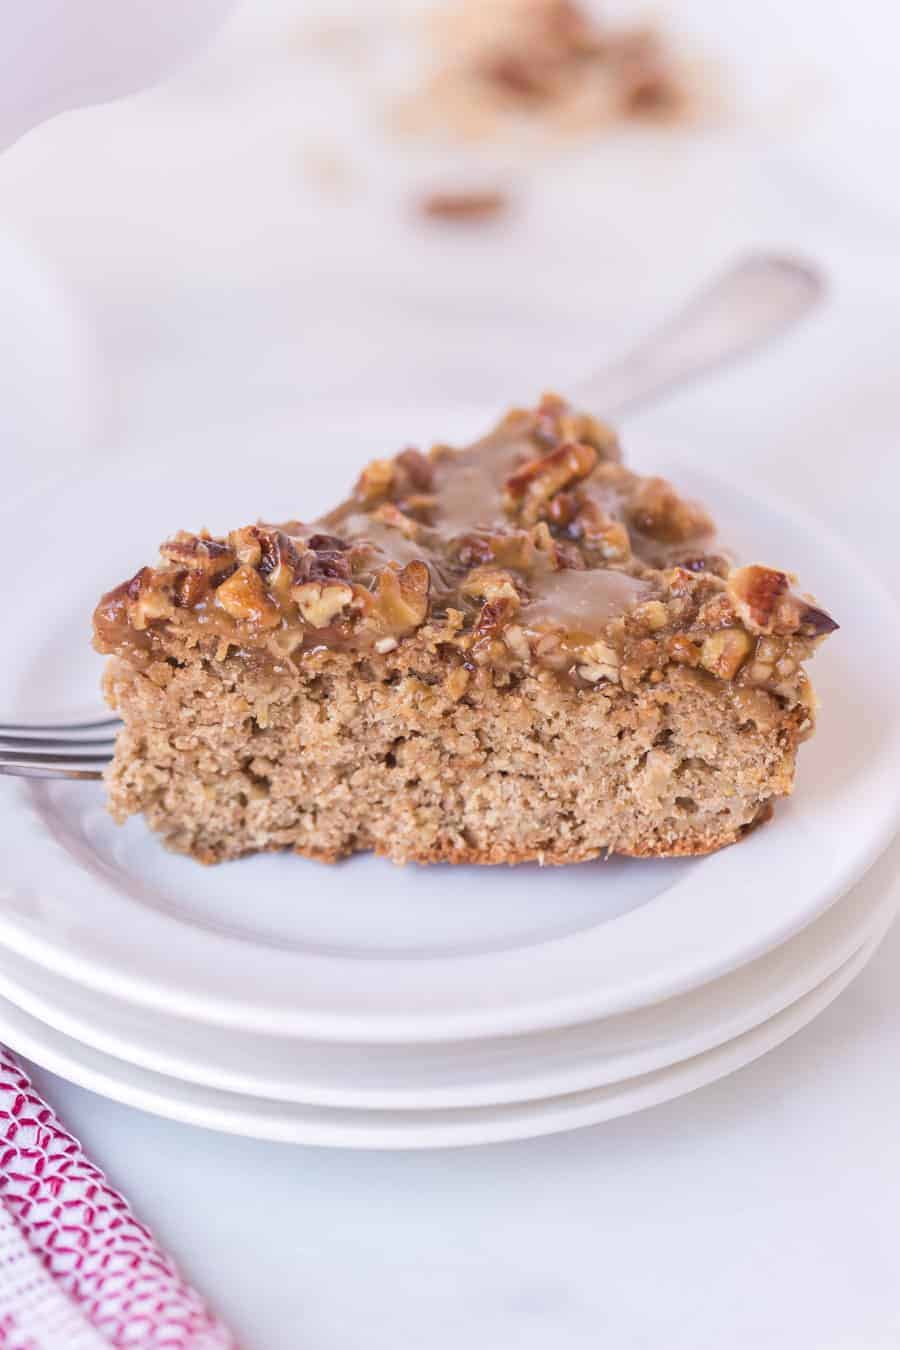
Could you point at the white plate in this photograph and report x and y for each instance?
(467, 1073)
(298, 1124)
(366, 951)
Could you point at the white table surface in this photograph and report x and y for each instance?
(215, 287)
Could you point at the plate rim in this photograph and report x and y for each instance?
(514, 1121)
(747, 1010)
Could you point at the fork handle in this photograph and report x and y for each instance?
(760, 297)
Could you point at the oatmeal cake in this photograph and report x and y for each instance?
(516, 651)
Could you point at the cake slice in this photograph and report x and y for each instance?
(517, 651)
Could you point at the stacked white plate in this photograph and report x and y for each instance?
(370, 1006)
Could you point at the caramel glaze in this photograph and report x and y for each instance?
(534, 546)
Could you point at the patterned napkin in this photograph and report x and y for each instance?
(77, 1270)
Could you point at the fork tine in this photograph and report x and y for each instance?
(26, 757)
(44, 771)
(55, 742)
(26, 728)
(65, 753)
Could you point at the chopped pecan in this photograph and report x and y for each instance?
(656, 509)
(682, 650)
(375, 482)
(715, 612)
(724, 652)
(197, 551)
(246, 545)
(325, 558)
(814, 622)
(417, 469)
(189, 588)
(147, 601)
(591, 431)
(470, 550)
(153, 605)
(402, 598)
(652, 615)
(325, 543)
(763, 600)
(142, 580)
(530, 488)
(321, 602)
(604, 539)
(395, 519)
(600, 661)
(519, 548)
(494, 616)
(490, 583)
(546, 424)
(278, 554)
(243, 596)
(756, 593)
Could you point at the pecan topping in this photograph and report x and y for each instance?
(321, 602)
(723, 653)
(196, 551)
(470, 550)
(656, 510)
(374, 483)
(394, 518)
(531, 487)
(763, 600)
(402, 598)
(243, 596)
(602, 663)
(277, 551)
(325, 557)
(189, 589)
(534, 548)
(419, 471)
(489, 583)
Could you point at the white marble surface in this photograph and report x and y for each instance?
(221, 290)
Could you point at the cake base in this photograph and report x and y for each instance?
(421, 763)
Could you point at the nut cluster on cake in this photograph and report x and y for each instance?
(534, 548)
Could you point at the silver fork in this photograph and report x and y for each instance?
(57, 749)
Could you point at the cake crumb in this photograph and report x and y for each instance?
(466, 207)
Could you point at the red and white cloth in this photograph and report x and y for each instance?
(77, 1270)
